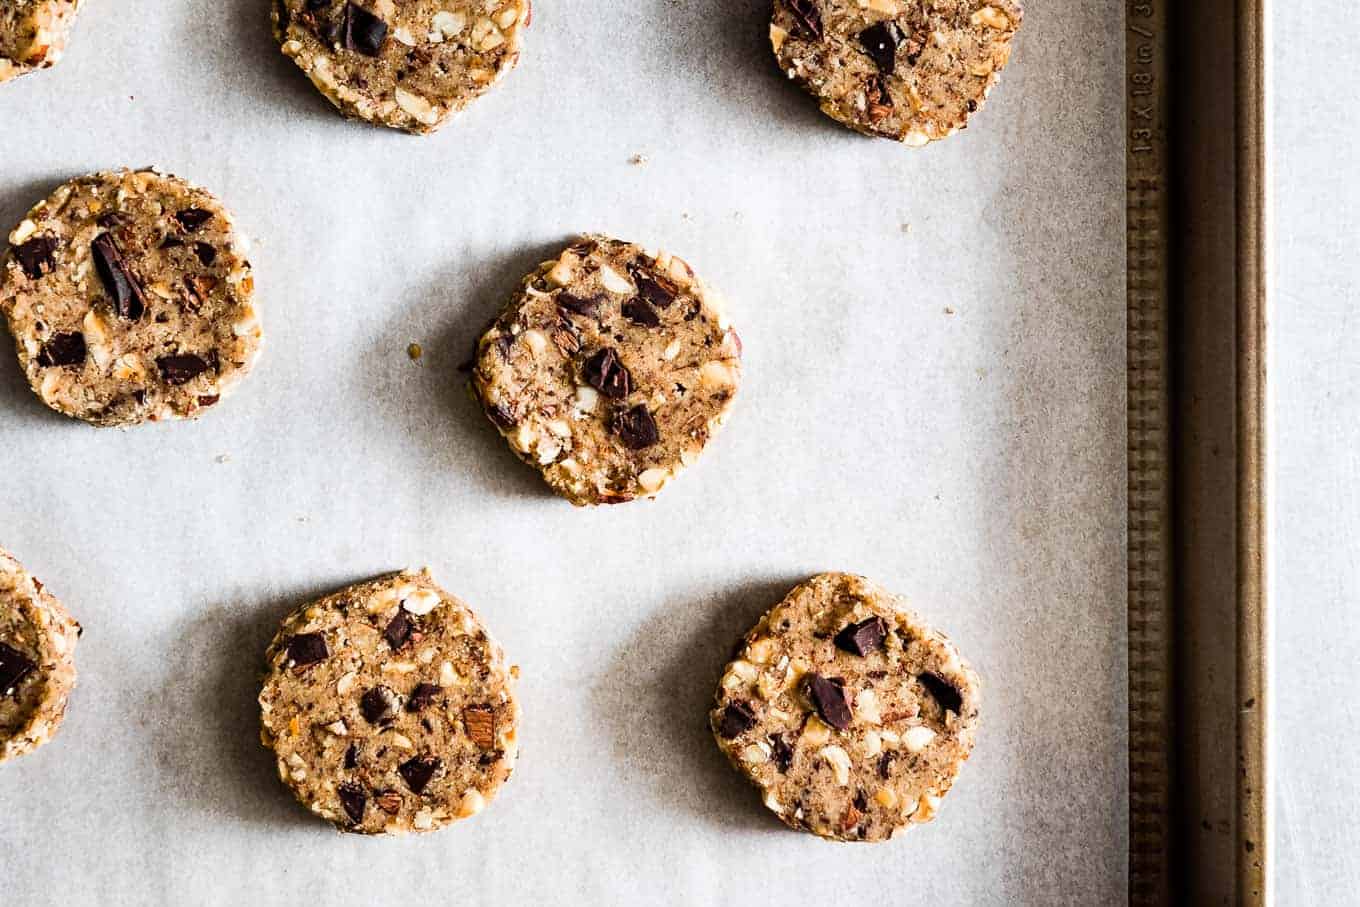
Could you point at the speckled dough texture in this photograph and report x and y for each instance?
(849, 714)
(37, 660)
(389, 707)
(911, 70)
(610, 370)
(130, 299)
(33, 34)
(409, 64)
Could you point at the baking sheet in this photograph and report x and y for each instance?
(934, 397)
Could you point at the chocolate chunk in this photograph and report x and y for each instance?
(179, 370)
(306, 649)
(171, 242)
(607, 374)
(398, 631)
(354, 800)
(364, 31)
(379, 705)
(588, 306)
(418, 772)
(389, 801)
(737, 719)
(207, 400)
(657, 290)
(192, 219)
(885, 765)
(480, 721)
(832, 703)
(38, 256)
(205, 252)
(880, 43)
(314, 5)
(781, 752)
(635, 427)
(63, 349)
(863, 637)
(808, 17)
(501, 416)
(14, 667)
(352, 756)
(126, 294)
(943, 692)
(421, 697)
(638, 312)
(111, 219)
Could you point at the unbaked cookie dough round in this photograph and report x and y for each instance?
(850, 714)
(389, 707)
(37, 660)
(911, 70)
(609, 371)
(409, 64)
(129, 299)
(33, 34)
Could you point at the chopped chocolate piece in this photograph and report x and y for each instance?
(781, 751)
(364, 31)
(421, 697)
(863, 637)
(354, 800)
(111, 219)
(171, 242)
(635, 427)
(352, 756)
(192, 219)
(480, 721)
(943, 692)
(830, 698)
(588, 306)
(398, 631)
(205, 252)
(638, 312)
(885, 765)
(14, 667)
(38, 256)
(182, 369)
(501, 416)
(125, 293)
(654, 288)
(880, 42)
(418, 772)
(389, 801)
(808, 17)
(379, 705)
(63, 349)
(607, 374)
(306, 649)
(737, 719)
(207, 400)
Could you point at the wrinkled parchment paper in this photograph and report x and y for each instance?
(934, 398)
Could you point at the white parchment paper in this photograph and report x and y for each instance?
(934, 397)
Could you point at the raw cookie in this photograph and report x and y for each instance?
(609, 371)
(129, 299)
(911, 70)
(411, 64)
(37, 660)
(33, 34)
(389, 707)
(851, 715)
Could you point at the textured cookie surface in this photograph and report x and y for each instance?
(129, 299)
(609, 371)
(911, 70)
(389, 707)
(410, 64)
(851, 716)
(37, 660)
(33, 34)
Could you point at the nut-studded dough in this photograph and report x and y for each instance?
(609, 371)
(850, 714)
(389, 707)
(911, 70)
(129, 299)
(33, 34)
(409, 64)
(37, 660)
